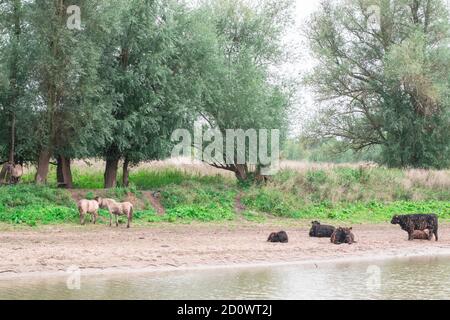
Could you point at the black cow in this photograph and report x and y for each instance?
(278, 237)
(413, 222)
(343, 235)
(321, 231)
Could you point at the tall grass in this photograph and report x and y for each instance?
(345, 193)
(153, 179)
(143, 177)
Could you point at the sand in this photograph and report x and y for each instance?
(98, 249)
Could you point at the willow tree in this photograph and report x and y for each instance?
(241, 91)
(382, 77)
(64, 78)
(149, 67)
(13, 72)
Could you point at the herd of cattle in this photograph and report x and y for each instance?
(418, 226)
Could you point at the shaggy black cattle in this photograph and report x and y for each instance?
(343, 235)
(321, 231)
(278, 237)
(413, 222)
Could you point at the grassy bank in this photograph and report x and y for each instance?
(336, 193)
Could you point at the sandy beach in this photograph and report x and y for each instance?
(98, 249)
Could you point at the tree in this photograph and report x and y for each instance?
(64, 81)
(384, 84)
(11, 88)
(150, 68)
(241, 93)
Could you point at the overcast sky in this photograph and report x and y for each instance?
(304, 108)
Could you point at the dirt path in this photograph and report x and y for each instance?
(239, 207)
(53, 249)
(154, 199)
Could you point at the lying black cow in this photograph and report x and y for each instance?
(321, 231)
(343, 235)
(413, 222)
(278, 237)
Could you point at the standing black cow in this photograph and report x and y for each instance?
(413, 222)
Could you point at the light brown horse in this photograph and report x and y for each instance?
(117, 209)
(11, 173)
(88, 206)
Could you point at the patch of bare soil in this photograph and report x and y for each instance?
(239, 207)
(155, 201)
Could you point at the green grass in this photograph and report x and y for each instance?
(190, 201)
(341, 194)
(349, 195)
(31, 205)
(140, 179)
(194, 200)
(371, 212)
(155, 179)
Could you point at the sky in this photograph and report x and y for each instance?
(304, 105)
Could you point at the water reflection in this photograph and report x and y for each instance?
(399, 279)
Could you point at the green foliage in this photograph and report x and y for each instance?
(154, 179)
(194, 193)
(142, 179)
(372, 211)
(237, 75)
(348, 194)
(150, 69)
(384, 86)
(200, 213)
(316, 177)
(90, 195)
(27, 195)
(39, 214)
(26, 204)
(329, 150)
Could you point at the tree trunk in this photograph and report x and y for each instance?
(126, 173)
(111, 173)
(64, 173)
(43, 167)
(67, 172)
(241, 172)
(4, 173)
(13, 139)
(59, 173)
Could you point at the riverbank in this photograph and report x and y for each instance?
(51, 250)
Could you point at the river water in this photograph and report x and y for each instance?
(408, 278)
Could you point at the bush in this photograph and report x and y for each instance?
(200, 213)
